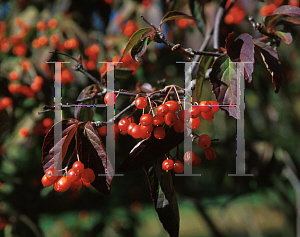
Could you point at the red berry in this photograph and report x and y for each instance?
(204, 141)
(205, 106)
(6, 101)
(88, 175)
(173, 106)
(167, 164)
(123, 124)
(179, 126)
(76, 186)
(158, 120)
(24, 132)
(208, 115)
(110, 98)
(78, 167)
(141, 102)
(130, 127)
(62, 184)
(170, 118)
(189, 157)
(146, 119)
(146, 129)
(102, 131)
(215, 106)
(159, 133)
(178, 167)
(86, 184)
(51, 174)
(73, 176)
(210, 153)
(136, 131)
(47, 122)
(194, 123)
(196, 162)
(195, 111)
(181, 116)
(162, 110)
(145, 135)
(46, 182)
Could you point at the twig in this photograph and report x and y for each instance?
(218, 19)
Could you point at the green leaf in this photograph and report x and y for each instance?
(122, 73)
(174, 15)
(139, 49)
(133, 40)
(285, 36)
(205, 63)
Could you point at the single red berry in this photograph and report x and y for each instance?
(146, 129)
(124, 132)
(102, 131)
(170, 118)
(141, 102)
(178, 167)
(179, 126)
(47, 122)
(208, 115)
(158, 120)
(123, 124)
(159, 133)
(205, 106)
(145, 135)
(130, 127)
(51, 174)
(86, 184)
(195, 111)
(146, 119)
(215, 106)
(167, 164)
(136, 131)
(88, 175)
(210, 153)
(24, 132)
(6, 101)
(196, 162)
(110, 98)
(78, 167)
(73, 176)
(173, 106)
(46, 182)
(204, 141)
(76, 186)
(194, 123)
(181, 116)
(189, 157)
(162, 110)
(62, 184)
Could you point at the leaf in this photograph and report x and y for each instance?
(164, 197)
(147, 151)
(92, 154)
(133, 40)
(122, 73)
(242, 50)
(223, 79)
(287, 10)
(197, 9)
(86, 113)
(205, 63)
(279, 16)
(68, 128)
(174, 15)
(139, 49)
(290, 21)
(272, 63)
(285, 36)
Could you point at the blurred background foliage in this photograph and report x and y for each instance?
(214, 204)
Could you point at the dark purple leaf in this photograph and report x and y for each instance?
(272, 62)
(49, 159)
(147, 151)
(287, 10)
(282, 16)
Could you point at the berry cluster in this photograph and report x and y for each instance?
(74, 179)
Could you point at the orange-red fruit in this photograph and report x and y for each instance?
(86, 184)
(195, 111)
(88, 175)
(204, 141)
(146, 119)
(47, 122)
(158, 120)
(62, 184)
(178, 167)
(24, 132)
(189, 157)
(162, 110)
(41, 26)
(52, 23)
(73, 176)
(167, 164)
(178, 126)
(141, 102)
(110, 98)
(78, 167)
(76, 186)
(123, 124)
(173, 106)
(181, 116)
(208, 115)
(13, 76)
(130, 127)
(170, 118)
(136, 132)
(194, 123)
(210, 153)
(204, 106)
(159, 133)
(51, 174)
(215, 106)
(146, 129)
(102, 131)
(6, 101)
(196, 162)
(46, 182)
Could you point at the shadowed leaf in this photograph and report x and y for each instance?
(139, 49)
(197, 9)
(174, 15)
(282, 16)
(205, 63)
(285, 36)
(122, 72)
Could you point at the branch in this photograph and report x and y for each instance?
(219, 17)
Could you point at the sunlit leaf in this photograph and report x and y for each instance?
(139, 49)
(285, 36)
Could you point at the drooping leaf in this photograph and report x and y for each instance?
(174, 15)
(92, 154)
(281, 14)
(164, 197)
(242, 50)
(68, 129)
(272, 63)
(285, 36)
(197, 9)
(205, 63)
(82, 113)
(287, 10)
(122, 73)
(290, 21)
(223, 79)
(133, 40)
(147, 151)
(139, 49)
